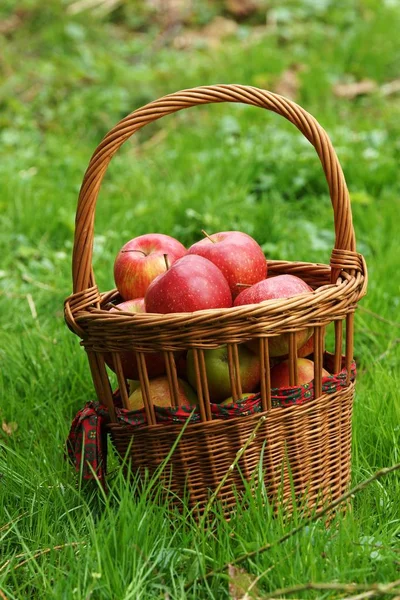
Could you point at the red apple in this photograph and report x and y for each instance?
(161, 394)
(281, 286)
(154, 360)
(217, 369)
(308, 348)
(305, 373)
(236, 254)
(191, 283)
(140, 260)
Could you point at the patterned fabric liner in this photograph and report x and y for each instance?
(87, 440)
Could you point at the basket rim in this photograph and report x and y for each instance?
(347, 287)
(342, 283)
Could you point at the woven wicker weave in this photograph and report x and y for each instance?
(314, 437)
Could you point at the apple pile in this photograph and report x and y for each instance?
(173, 279)
(155, 273)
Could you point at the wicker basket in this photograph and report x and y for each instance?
(306, 446)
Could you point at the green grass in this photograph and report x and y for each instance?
(217, 167)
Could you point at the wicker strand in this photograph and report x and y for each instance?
(174, 377)
(204, 384)
(121, 379)
(232, 373)
(293, 371)
(236, 368)
(169, 377)
(349, 343)
(145, 387)
(199, 386)
(265, 374)
(318, 360)
(338, 344)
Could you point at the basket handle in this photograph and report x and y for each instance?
(344, 256)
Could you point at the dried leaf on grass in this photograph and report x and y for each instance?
(99, 7)
(9, 428)
(241, 8)
(392, 87)
(211, 35)
(364, 87)
(354, 89)
(170, 12)
(219, 28)
(242, 585)
(288, 84)
(9, 25)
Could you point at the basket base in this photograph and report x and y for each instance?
(303, 452)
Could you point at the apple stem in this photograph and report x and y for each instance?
(166, 261)
(245, 285)
(207, 236)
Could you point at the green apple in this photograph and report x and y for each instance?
(217, 369)
(133, 384)
(231, 400)
(279, 345)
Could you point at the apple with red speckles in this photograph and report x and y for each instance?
(236, 254)
(154, 360)
(274, 288)
(191, 283)
(305, 373)
(140, 261)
